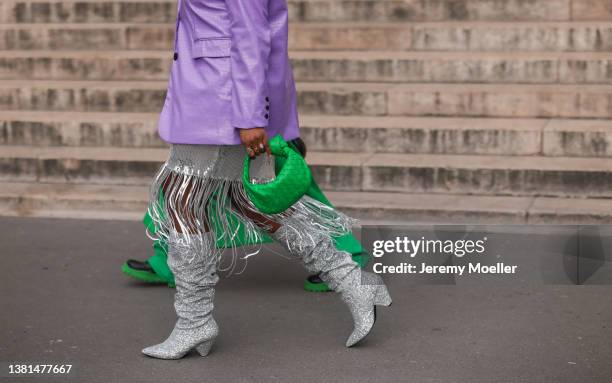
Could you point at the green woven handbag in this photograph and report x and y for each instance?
(290, 184)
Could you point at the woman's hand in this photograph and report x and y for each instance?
(255, 140)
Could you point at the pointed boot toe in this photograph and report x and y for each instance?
(363, 325)
(160, 352)
(362, 301)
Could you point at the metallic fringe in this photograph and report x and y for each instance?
(198, 203)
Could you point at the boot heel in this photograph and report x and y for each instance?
(204, 348)
(382, 297)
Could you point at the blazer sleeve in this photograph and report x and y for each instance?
(250, 50)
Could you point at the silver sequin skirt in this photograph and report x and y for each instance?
(199, 191)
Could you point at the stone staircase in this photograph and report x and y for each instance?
(445, 110)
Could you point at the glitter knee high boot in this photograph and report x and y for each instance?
(360, 290)
(190, 259)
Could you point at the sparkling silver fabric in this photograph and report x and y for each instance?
(360, 290)
(195, 275)
(199, 189)
(216, 161)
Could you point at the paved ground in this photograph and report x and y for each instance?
(64, 300)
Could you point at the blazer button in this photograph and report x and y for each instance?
(267, 99)
(267, 116)
(267, 107)
(175, 56)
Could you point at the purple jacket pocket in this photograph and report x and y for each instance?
(211, 47)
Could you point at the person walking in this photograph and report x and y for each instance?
(231, 87)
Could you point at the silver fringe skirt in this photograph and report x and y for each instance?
(198, 195)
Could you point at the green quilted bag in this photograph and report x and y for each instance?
(291, 182)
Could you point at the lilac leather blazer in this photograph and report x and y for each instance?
(231, 71)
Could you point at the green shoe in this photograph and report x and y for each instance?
(314, 284)
(142, 271)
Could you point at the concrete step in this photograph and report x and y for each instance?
(363, 99)
(106, 165)
(406, 173)
(71, 11)
(578, 138)
(427, 135)
(454, 67)
(481, 10)
(371, 36)
(91, 96)
(452, 135)
(458, 208)
(64, 200)
(494, 100)
(104, 36)
(514, 36)
(74, 11)
(129, 202)
(331, 66)
(482, 175)
(79, 129)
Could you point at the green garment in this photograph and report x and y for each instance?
(346, 242)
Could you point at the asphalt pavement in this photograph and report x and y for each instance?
(65, 301)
